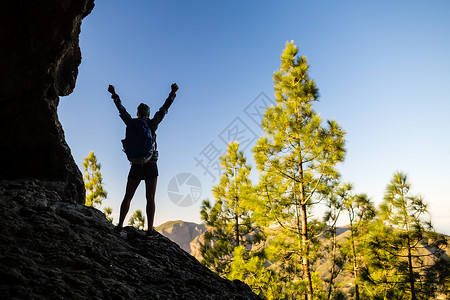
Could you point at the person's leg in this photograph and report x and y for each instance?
(132, 185)
(150, 187)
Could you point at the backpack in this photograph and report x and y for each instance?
(139, 144)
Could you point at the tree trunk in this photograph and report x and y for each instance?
(411, 273)
(236, 230)
(305, 242)
(236, 216)
(330, 287)
(305, 252)
(355, 263)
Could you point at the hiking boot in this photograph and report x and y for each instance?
(151, 233)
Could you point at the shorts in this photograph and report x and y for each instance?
(143, 172)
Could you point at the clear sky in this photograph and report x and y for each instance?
(382, 69)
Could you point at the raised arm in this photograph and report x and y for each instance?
(159, 115)
(124, 115)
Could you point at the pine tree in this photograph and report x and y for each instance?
(137, 220)
(108, 212)
(297, 159)
(405, 247)
(335, 206)
(360, 211)
(93, 181)
(229, 219)
(249, 267)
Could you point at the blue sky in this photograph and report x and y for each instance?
(382, 68)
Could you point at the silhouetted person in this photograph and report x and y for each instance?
(149, 170)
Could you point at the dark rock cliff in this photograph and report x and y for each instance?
(39, 60)
(52, 249)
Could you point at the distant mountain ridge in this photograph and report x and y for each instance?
(184, 234)
(189, 236)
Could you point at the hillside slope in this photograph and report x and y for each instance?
(50, 248)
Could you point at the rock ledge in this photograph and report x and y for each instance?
(56, 249)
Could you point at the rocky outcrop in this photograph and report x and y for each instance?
(196, 245)
(39, 60)
(53, 249)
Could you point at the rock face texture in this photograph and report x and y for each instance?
(39, 60)
(53, 249)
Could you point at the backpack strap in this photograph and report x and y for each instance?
(148, 128)
(146, 125)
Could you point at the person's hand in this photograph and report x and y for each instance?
(174, 87)
(111, 89)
